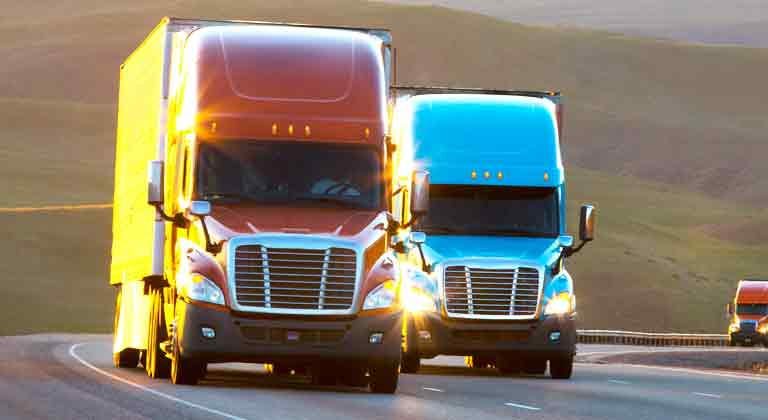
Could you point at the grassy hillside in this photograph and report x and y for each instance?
(658, 125)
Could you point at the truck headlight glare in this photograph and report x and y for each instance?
(560, 304)
(199, 288)
(734, 328)
(382, 296)
(416, 300)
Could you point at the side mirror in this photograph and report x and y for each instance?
(200, 208)
(420, 193)
(587, 223)
(417, 238)
(155, 183)
(566, 241)
(729, 309)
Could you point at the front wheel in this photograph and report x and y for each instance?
(185, 370)
(384, 378)
(561, 367)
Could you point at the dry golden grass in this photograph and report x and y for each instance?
(689, 116)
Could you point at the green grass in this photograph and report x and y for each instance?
(658, 124)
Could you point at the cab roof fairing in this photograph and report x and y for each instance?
(251, 77)
(452, 135)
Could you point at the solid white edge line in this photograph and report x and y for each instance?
(432, 389)
(149, 390)
(722, 374)
(525, 407)
(704, 394)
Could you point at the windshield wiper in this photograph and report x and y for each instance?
(437, 230)
(213, 196)
(333, 200)
(514, 232)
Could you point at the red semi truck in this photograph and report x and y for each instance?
(262, 233)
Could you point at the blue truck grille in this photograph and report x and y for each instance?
(286, 278)
(748, 327)
(494, 292)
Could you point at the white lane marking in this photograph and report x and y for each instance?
(704, 394)
(524, 407)
(616, 381)
(150, 390)
(432, 389)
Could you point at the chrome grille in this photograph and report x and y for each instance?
(482, 292)
(287, 278)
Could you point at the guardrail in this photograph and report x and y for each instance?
(651, 339)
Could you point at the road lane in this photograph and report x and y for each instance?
(39, 378)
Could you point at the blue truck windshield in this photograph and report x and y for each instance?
(296, 173)
(752, 309)
(491, 210)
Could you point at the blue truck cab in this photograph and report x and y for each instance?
(484, 254)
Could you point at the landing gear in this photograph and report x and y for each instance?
(127, 358)
(479, 362)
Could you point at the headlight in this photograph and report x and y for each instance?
(734, 328)
(382, 296)
(560, 304)
(416, 300)
(199, 288)
(763, 329)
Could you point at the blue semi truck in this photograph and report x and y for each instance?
(484, 258)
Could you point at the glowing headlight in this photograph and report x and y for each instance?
(734, 328)
(560, 304)
(416, 300)
(382, 296)
(763, 329)
(199, 288)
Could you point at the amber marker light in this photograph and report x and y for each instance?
(487, 175)
(500, 176)
(213, 126)
(290, 129)
(307, 131)
(546, 176)
(367, 132)
(274, 129)
(474, 174)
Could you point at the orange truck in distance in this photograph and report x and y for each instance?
(748, 313)
(262, 233)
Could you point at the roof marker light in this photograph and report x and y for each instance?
(546, 176)
(307, 131)
(213, 126)
(274, 129)
(487, 175)
(367, 132)
(474, 174)
(500, 176)
(290, 129)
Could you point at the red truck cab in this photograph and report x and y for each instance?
(272, 181)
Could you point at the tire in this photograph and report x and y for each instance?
(535, 366)
(509, 364)
(384, 378)
(185, 370)
(410, 363)
(157, 365)
(128, 358)
(561, 367)
(324, 377)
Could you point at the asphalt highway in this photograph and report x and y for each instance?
(71, 377)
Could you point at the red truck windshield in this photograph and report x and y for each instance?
(293, 173)
(752, 309)
(491, 210)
